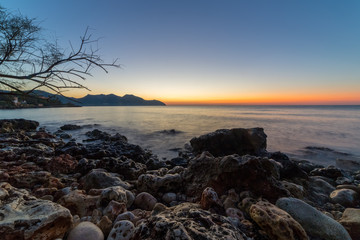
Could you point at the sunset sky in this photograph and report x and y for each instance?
(214, 51)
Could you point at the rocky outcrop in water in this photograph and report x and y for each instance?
(113, 189)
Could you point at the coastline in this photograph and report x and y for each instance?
(107, 184)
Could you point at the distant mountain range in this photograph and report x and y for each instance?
(102, 100)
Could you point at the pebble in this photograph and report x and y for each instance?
(86, 231)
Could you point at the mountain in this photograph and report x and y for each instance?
(98, 100)
(114, 100)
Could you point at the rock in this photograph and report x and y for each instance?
(350, 164)
(99, 178)
(329, 172)
(210, 199)
(225, 142)
(97, 135)
(79, 203)
(290, 169)
(319, 190)
(64, 163)
(70, 127)
(11, 125)
(345, 197)
(153, 184)
(145, 201)
(231, 200)
(30, 179)
(187, 221)
(116, 193)
(122, 230)
(276, 223)
(235, 213)
(313, 221)
(113, 209)
(105, 224)
(351, 221)
(352, 187)
(86, 231)
(169, 197)
(25, 217)
(260, 175)
(295, 190)
(126, 216)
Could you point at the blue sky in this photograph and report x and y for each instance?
(215, 51)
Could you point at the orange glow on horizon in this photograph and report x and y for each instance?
(288, 99)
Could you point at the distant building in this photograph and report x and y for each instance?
(16, 101)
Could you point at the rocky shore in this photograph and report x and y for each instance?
(228, 186)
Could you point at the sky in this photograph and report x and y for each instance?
(214, 51)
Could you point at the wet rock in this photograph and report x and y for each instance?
(187, 221)
(351, 221)
(79, 203)
(11, 125)
(276, 223)
(260, 175)
(329, 172)
(122, 230)
(96, 134)
(349, 164)
(225, 142)
(345, 197)
(313, 221)
(70, 127)
(145, 201)
(153, 183)
(25, 217)
(290, 169)
(99, 178)
(86, 231)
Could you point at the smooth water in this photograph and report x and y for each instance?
(289, 128)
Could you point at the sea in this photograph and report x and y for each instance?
(320, 134)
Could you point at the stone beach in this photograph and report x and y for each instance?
(226, 186)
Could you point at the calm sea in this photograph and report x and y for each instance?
(317, 133)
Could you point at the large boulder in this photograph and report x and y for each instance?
(23, 216)
(314, 222)
(259, 175)
(230, 141)
(276, 223)
(187, 221)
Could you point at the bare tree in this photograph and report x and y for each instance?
(29, 62)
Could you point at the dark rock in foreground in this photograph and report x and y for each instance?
(234, 141)
(260, 175)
